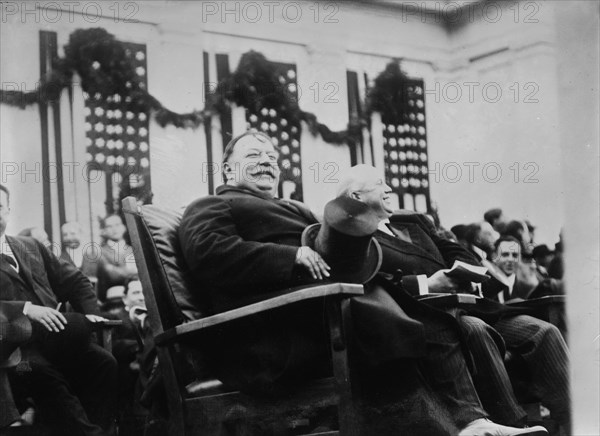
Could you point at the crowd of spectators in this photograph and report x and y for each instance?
(533, 271)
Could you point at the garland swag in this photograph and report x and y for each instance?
(102, 64)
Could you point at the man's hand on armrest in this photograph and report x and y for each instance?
(95, 318)
(313, 262)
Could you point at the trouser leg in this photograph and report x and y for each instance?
(490, 376)
(545, 352)
(94, 377)
(8, 409)
(445, 368)
(54, 397)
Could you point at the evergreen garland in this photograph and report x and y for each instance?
(102, 64)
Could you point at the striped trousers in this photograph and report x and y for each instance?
(542, 348)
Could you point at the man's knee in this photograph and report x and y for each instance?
(474, 327)
(551, 335)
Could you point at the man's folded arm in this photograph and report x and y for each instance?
(216, 253)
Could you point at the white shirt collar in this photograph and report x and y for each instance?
(4, 247)
(511, 282)
(384, 228)
(511, 279)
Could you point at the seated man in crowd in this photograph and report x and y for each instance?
(84, 256)
(507, 258)
(495, 217)
(480, 238)
(244, 243)
(72, 380)
(520, 231)
(543, 257)
(125, 344)
(116, 264)
(410, 244)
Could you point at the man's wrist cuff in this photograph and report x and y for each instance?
(26, 307)
(423, 286)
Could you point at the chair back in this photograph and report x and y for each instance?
(171, 296)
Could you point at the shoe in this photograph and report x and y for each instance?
(485, 427)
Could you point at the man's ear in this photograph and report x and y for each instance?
(227, 170)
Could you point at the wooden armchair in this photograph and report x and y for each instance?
(202, 404)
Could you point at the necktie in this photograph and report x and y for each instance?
(10, 260)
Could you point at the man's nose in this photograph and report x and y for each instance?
(264, 159)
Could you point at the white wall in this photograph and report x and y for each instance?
(579, 94)
(323, 42)
(493, 122)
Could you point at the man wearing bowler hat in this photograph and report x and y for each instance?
(243, 244)
(72, 380)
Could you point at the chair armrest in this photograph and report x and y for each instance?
(108, 324)
(290, 296)
(539, 302)
(448, 300)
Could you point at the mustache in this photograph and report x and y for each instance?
(264, 169)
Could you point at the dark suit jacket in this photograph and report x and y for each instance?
(241, 247)
(426, 254)
(43, 279)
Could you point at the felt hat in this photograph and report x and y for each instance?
(345, 241)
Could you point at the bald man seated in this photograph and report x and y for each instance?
(411, 245)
